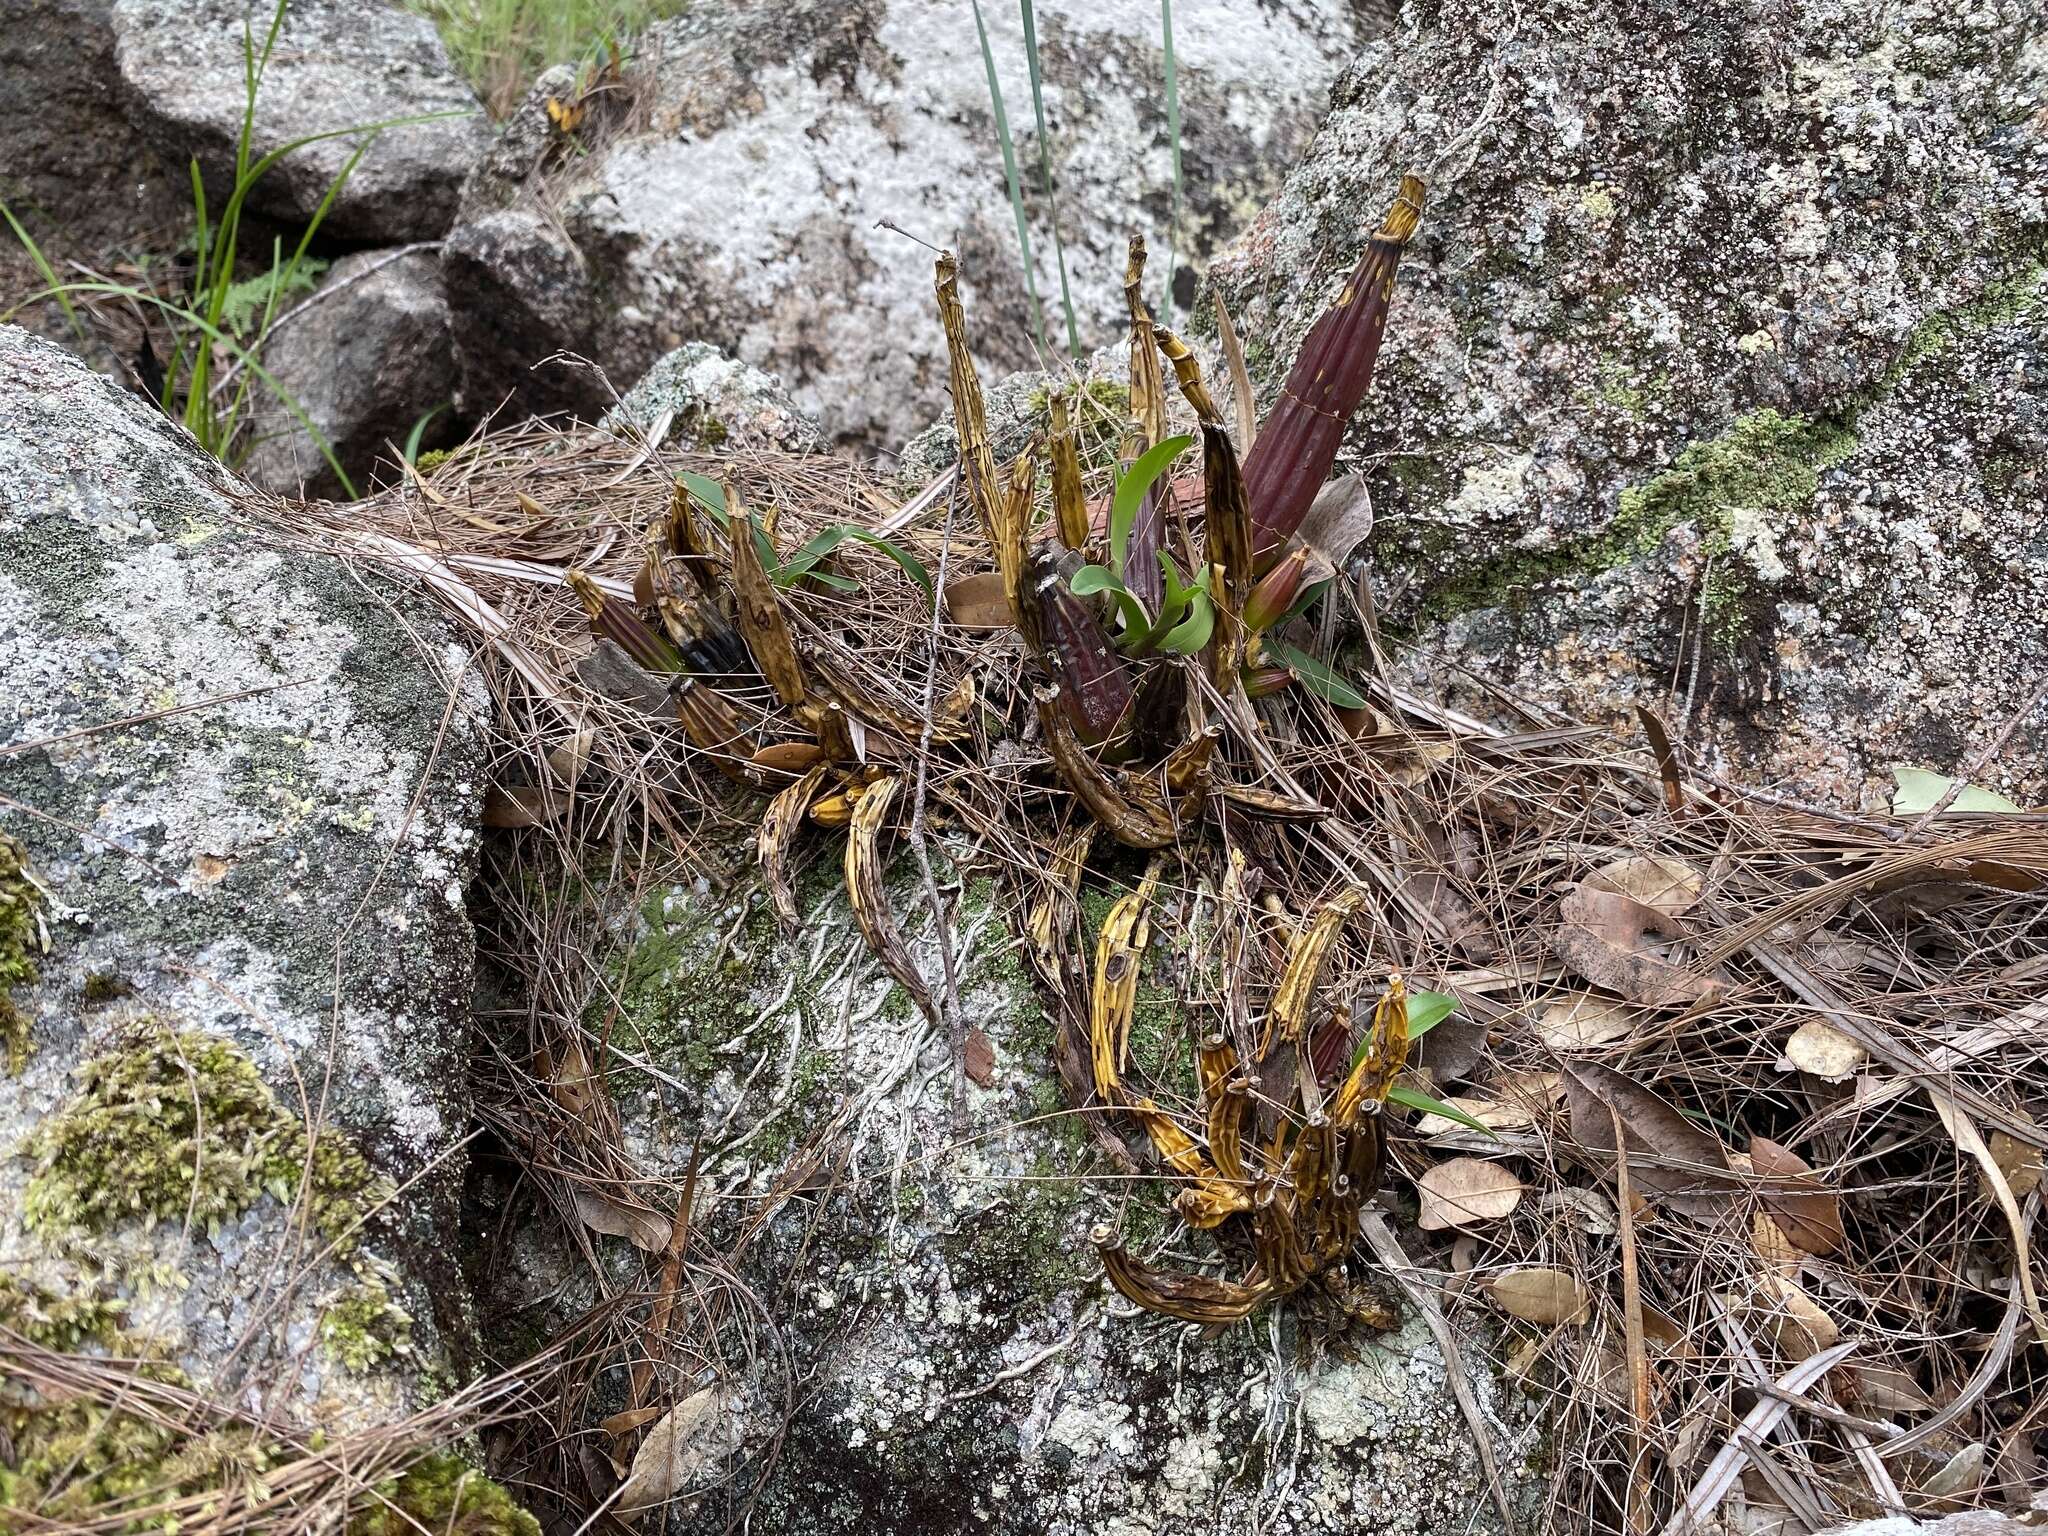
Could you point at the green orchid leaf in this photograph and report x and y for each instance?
(799, 565)
(913, 567)
(1131, 487)
(1131, 616)
(1316, 676)
(707, 493)
(1415, 1098)
(1193, 633)
(1426, 1010)
(1306, 601)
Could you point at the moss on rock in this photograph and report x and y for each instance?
(66, 1322)
(443, 1494)
(18, 951)
(174, 1125)
(1765, 463)
(363, 1325)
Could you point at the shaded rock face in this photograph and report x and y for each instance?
(744, 212)
(255, 920)
(962, 1363)
(366, 357)
(518, 294)
(70, 164)
(1715, 380)
(337, 64)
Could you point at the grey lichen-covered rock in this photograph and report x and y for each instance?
(366, 357)
(247, 807)
(338, 64)
(743, 211)
(704, 398)
(1715, 379)
(961, 1363)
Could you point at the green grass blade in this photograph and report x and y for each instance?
(243, 358)
(48, 274)
(1173, 142)
(995, 101)
(1052, 206)
(411, 453)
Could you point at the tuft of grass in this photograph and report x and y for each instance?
(1045, 173)
(1009, 148)
(502, 45)
(218, 329)
(1173, 142)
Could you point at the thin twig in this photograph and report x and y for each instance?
(1388, 1249)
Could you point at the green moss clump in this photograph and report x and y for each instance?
(101, 988)
(364, 1326)
(179, 1123)
(1097, 421)
(19, 947)
(432, 460)
(76, 1458)
(443, 1494)
(66, 1323)
(77, 1461)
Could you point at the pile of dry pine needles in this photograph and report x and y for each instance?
(1805, 1292)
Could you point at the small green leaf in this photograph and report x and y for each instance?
(1919, 791)
(1415, 1098)
(1131, 487)
(912, 566)
(709, 494)
(1192, 634)
(1303, 603)
(1317, 677)
(1426, 1010)
(1093, 579)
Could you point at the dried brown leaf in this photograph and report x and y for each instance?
(1803, 1207)
(1466, 1191)
(2017, 1160)
(1601, 937)
(523, 805)
(682, 1452)
(1792, 1317)
(1672, 1159)
(1662, 883)
(1338, 520)
(1544, 1296)
(1584, 1022)
(644, 1229)
(980, 1057)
